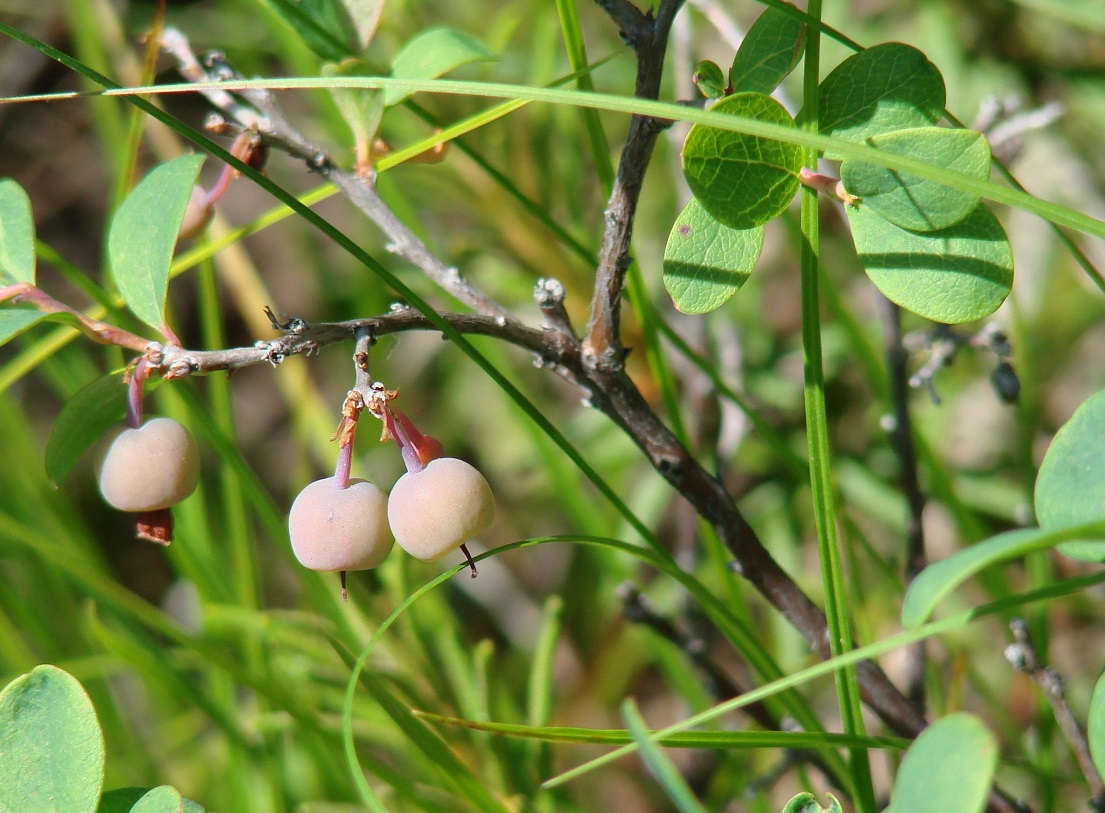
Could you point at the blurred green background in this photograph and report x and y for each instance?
(214, 664)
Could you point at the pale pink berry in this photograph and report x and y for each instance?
(438, 509)
(149, 468)
(336, 529)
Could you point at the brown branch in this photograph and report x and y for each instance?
(264, 116)
(595, 366)
(98, 331)
(901, 439)
(649, 39)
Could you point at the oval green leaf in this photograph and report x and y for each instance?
(706, 262)
(955, 275)
(143, 234)
(1070, 487)
(949, 767)
(912, 202)
(768, 53)
(82, 421)
(433, 53)
(1095, 727)
(17, 235)
(742, 181)
(51, 746)
(938, 580)
(887, 87)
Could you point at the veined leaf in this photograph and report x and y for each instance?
(770, 50)
(742, 181)
(887, 87)
(143, 234)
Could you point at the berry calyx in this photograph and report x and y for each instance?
(148, 468)
(339, 529)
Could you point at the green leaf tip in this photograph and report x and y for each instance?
(768, 53)
(742, 181)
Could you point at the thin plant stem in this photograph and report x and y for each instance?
(824, 509)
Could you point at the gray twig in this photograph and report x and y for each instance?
(1022, 655)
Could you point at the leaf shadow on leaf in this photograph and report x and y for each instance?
(696, 272)
(955, 264)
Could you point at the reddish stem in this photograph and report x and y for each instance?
(411, 458)
(138, 378)
(345, 451)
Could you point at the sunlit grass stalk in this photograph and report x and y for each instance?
(817, 431)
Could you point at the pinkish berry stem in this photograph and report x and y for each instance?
(407, 448)
(134, 394)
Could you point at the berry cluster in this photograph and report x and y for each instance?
(341, 523)
(335, 524)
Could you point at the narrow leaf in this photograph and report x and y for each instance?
(954, 275)
(910, 201)
(673, 783)
(938, 580)
(82, 421)
(1070, 487)
(706, 262)
(434, 53)
(769, 52)
(743, 181)
(17, 235)
(143, 234)
(948, 768)
(887, 87)
(51, 746)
